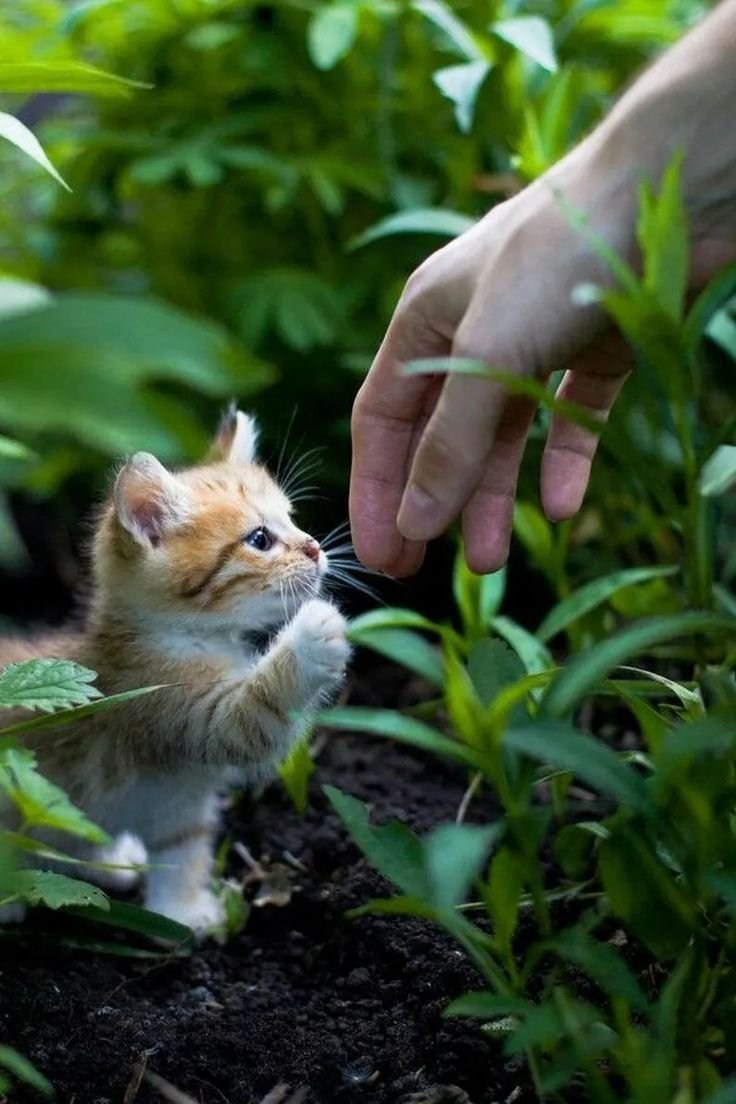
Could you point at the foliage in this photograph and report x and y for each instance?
(228, 177)
(647, 847)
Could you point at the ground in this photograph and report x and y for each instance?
(340, 1010)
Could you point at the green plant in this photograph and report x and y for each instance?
(652, 856)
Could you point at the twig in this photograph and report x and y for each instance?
(167, 1090)
(468, 797)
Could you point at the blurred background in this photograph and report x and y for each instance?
(240, 223)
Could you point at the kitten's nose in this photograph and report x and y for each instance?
(311, 548)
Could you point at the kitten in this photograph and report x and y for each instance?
(186, 566)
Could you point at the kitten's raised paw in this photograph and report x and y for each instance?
(319, 643)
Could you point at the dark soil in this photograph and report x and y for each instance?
(340, 1010)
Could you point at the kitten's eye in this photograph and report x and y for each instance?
(261, 539)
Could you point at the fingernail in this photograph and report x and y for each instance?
(417, 514)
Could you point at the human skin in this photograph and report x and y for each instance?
(430, 449)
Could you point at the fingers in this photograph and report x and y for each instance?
(488, 516)
(451, 455)
(388, 415)
(593, 381)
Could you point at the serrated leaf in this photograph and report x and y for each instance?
(39, 802)
(24, 1071)
(332, 32)
(530, 35)
(718, 474)
(46, 684)
(461, 84)
(16, 132)
(43, 887)
(593, 594)
(416, 220)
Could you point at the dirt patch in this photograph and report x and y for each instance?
(343, 1010)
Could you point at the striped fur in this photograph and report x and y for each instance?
(176, 587)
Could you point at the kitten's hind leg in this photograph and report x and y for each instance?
(179, 881)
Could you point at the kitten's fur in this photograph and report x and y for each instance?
(176, 591)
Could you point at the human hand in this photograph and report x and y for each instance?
(428, 449)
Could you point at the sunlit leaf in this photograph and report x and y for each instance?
(718, 474)
(46, 684)
(461, 84)
(458, 36)
(40, 802)
(64, 76)
(416, 220)
(332, 32)
(16, 132)
(405, 647)
(530, 35)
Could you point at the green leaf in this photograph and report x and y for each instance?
(593, 594)
(14, 450)
(415, 220)
(441, 14)
(492, 666)
(559, 745)
(535, 655)
(601, 963)
(478, 597)
(302, 308)
(461, 84)
(503, 894)
(534, 531)
(407, 730)
(296, 771)
(71, 716)
(331, 33)
(64, 76)
(643, 892)
(22, 1070)
(714, 296)
(718, 474)
(488, 1006)
(42, 887)
(587, 670)
(453, 856)
(405, 647)
(39, 802)
(16, 132)
(663, 236)
(390, 618)
(141, 921)
(46, 684)
(530, 35)
(392, 848)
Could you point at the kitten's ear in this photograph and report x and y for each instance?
(236, 438)
(148, 499)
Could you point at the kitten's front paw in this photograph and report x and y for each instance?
(319, 644)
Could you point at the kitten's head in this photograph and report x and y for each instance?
(213, 542)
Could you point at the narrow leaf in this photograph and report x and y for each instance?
(416, 220)
(718, 474)
(593, 594)
(407, 730)
(461, 84)
(530, 35)
(22, 1070)
(443, 17)
(16, 132)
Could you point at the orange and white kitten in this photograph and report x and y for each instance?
(191, 569)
